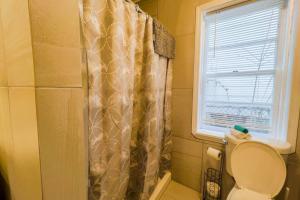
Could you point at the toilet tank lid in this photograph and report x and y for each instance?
(258, 167)
(283, 148)
(234, 140)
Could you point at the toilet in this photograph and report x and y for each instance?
(258, 169)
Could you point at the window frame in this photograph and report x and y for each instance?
(199, 62)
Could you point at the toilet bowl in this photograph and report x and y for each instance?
(259, 171)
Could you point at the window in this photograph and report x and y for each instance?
(243, 68)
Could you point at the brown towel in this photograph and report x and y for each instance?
(164, 42)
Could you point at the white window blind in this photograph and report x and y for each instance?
(241, 60)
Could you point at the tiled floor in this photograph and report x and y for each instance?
(176, 191)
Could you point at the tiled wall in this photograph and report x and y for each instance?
(19, 153)
(60, 96)
(189, 154)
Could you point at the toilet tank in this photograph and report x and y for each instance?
(231, 143)
(282, 148)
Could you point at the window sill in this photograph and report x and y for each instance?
(284, 148)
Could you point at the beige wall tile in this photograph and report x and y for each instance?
(61, 137)
(184, 62)
(178, 15)
(57, 66)
(295, 158)
(227, 184)
(5, 144)
(26, 175)
(149, 6)
(293, 181)
(55, 22)
(298, 144)
(168, 14)
(293, 173)
(182, 113)
(186, 170)
(297, 154)
(189, 147)
(3, 74)
(17, 43)
(5, 135)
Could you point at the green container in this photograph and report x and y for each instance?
(241, 129)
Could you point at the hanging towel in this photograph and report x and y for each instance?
(164, 42)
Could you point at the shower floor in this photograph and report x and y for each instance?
(176, 191)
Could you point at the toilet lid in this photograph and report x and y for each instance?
(258, 167)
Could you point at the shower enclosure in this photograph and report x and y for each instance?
(129, 61)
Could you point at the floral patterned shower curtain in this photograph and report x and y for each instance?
(129, 101)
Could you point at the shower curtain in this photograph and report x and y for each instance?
(129, 101)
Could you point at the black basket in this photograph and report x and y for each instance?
(212, 186)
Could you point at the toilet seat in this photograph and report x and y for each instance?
(258, 169)
(245, 194)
